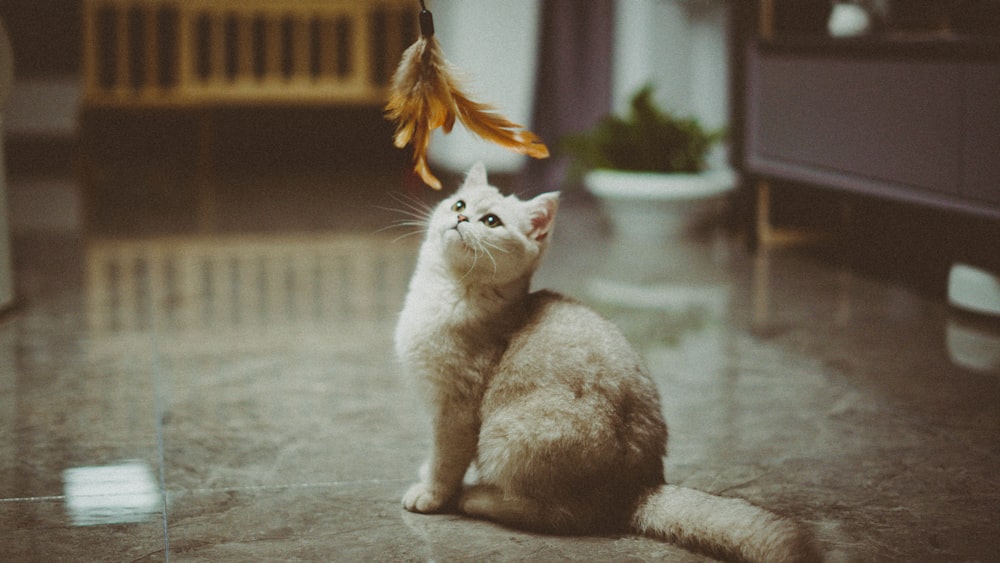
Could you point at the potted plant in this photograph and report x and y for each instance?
(648, 170)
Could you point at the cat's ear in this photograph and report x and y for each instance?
(543, 214)
(476, 175)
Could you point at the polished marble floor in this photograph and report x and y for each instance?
(210, 378)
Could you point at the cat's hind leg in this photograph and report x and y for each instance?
(490, 503)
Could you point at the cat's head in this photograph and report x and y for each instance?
(483, 236)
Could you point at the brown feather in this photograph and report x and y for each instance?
(483, 120)
(424, 95)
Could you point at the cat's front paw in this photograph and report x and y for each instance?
(424, 498)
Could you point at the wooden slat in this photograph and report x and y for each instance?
(272, 48)
(185, 51)
(122, 55)
(394, 39)
(324, 86)
(361, 64)
(244, 48)
(151, 55)
(91, 70)
(327, 47)
(301, 41)
(217, 47)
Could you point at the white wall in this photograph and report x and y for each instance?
(681, 47)
(494, 43)
(678, 45)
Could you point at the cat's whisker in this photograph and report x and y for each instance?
(475, 258)
(496, 247)
(420, 225)
(412, 215)
(408, 235)
(412, 201)
(474, 245)
(414, 206)
(486, 251)
(420, 230)
(404, 223)
(417, 212)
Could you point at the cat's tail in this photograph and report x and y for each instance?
(726, 528)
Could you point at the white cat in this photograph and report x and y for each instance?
(546, 398)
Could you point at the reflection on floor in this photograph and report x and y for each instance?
(229, 394)
(244, 285)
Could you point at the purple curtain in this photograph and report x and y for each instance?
(573, 87)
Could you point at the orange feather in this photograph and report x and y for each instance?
(424, 95)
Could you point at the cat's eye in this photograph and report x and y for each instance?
(459, 206)
(491, 221)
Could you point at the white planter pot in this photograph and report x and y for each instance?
(655, 207)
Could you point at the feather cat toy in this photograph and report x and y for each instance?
(424, 95)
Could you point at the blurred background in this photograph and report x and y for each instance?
(206, 235)
(116, 109)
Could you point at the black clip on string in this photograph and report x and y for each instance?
(426, 21)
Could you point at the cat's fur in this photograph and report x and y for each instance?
(545, 398)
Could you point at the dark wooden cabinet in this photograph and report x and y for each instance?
(981, 149)
(904, 118)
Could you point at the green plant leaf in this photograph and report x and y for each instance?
(646, 139)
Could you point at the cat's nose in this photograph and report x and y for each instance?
(463, 219)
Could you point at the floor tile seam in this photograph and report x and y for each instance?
(244, 488)
(287, 486)
(157, 384)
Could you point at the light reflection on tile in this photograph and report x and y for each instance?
(973, 344)
(122, 493)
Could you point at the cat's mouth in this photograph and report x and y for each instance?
(463, 239)
(458, 232)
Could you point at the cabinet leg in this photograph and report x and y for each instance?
(770, 236)
(763, 222)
